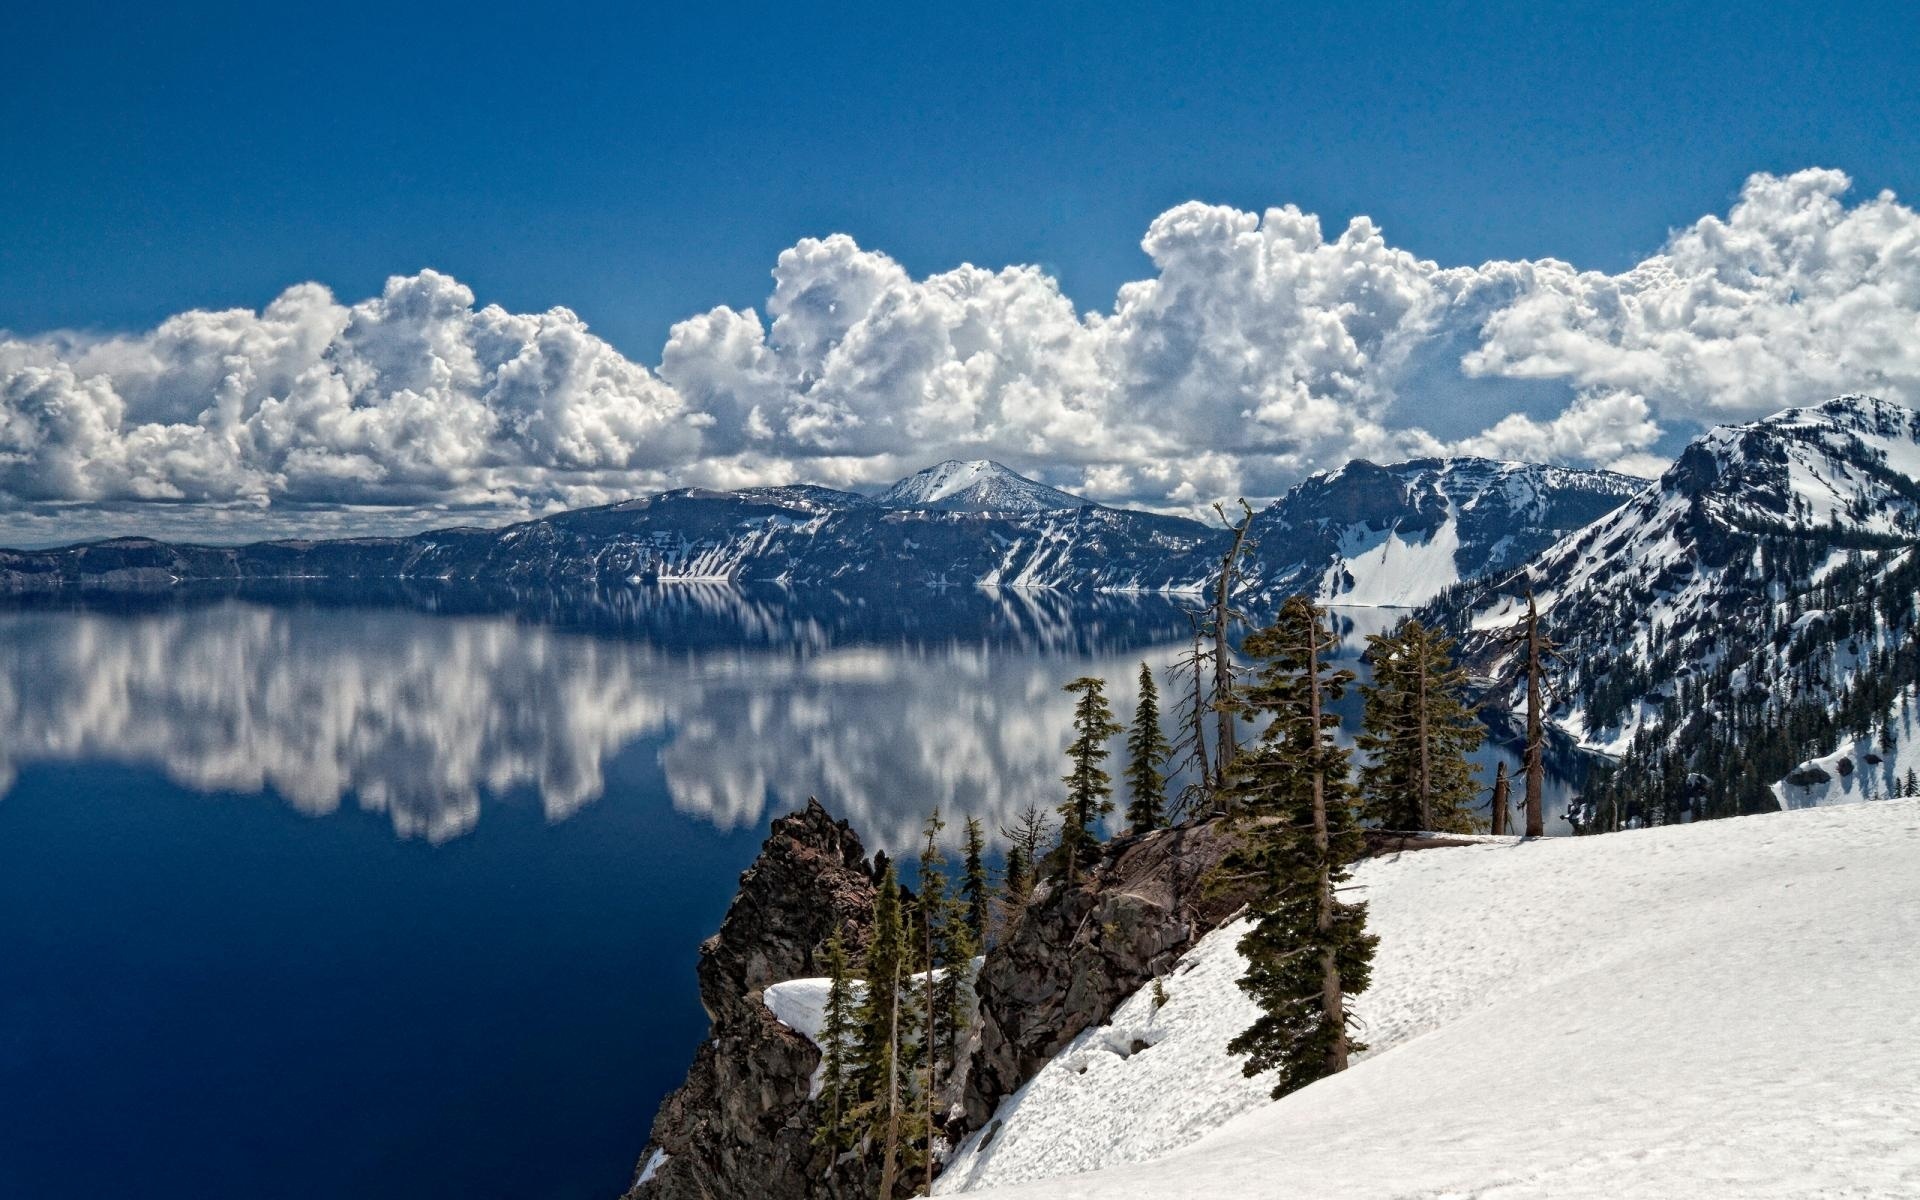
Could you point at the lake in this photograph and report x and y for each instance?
(397, 893)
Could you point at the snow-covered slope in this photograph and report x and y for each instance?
(1872, 766)
(1401, 534)
(978, 486)
(1726, 1009)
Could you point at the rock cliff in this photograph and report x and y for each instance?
(740, 1125)
(1078, 951)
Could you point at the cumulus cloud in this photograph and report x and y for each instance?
(1604, 427)
(414, 397)
(1258, 350)
(1793, 297)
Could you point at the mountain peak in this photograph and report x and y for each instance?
(980, 485)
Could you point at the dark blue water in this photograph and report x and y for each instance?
(315, 896)
(325, 899)
(215, 996)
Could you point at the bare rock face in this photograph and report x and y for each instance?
(741, 1125)
(1080, 950)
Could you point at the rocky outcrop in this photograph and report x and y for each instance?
(741, 1124)
(1078, 951)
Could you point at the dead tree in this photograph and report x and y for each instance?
(1537, 650)
(1189, 755)
(1220, 618)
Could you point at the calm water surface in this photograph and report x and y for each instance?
(316, 896)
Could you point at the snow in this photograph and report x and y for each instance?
(1726, 1009)
(1395, 572)
(800, 1005)
(655, 1161)
(1874, 770)
(977, 486)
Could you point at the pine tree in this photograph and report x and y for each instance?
(943, 939)
(881, 1115)
(1147, 751)
(974, 888)
(1419, 732)
(1016, 883)
(1307, 950)
(836, 1030)
(945, 954)
(1497, 807)
(1089, 788)
(935, 913)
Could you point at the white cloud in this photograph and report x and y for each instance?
(412, 398)
(1792, 298)
(1611, 429)
(1258, 350)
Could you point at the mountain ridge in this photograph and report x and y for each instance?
(952, 525)
(1747, 612)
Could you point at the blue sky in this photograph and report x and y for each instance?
(642, 165)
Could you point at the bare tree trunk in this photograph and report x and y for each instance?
(1536, 731)
(1226, 741)
(1501, 798)
(1332, 1003)
(1200, 716)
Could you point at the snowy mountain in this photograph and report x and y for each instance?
(1363, 535)
(978, 486)
(1764, 583)
(1717, 1010)
(1399, 535)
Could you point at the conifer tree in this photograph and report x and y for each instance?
(1418, 733)
(974, 887)
(877, 1067)
(836, 1030)
(1502, 798)
(1147, 751)
(946, 956)
(934, 912)
(1089, 788)
(1016, 882)
(1307, 950)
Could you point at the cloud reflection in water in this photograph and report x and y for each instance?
(428, 717)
